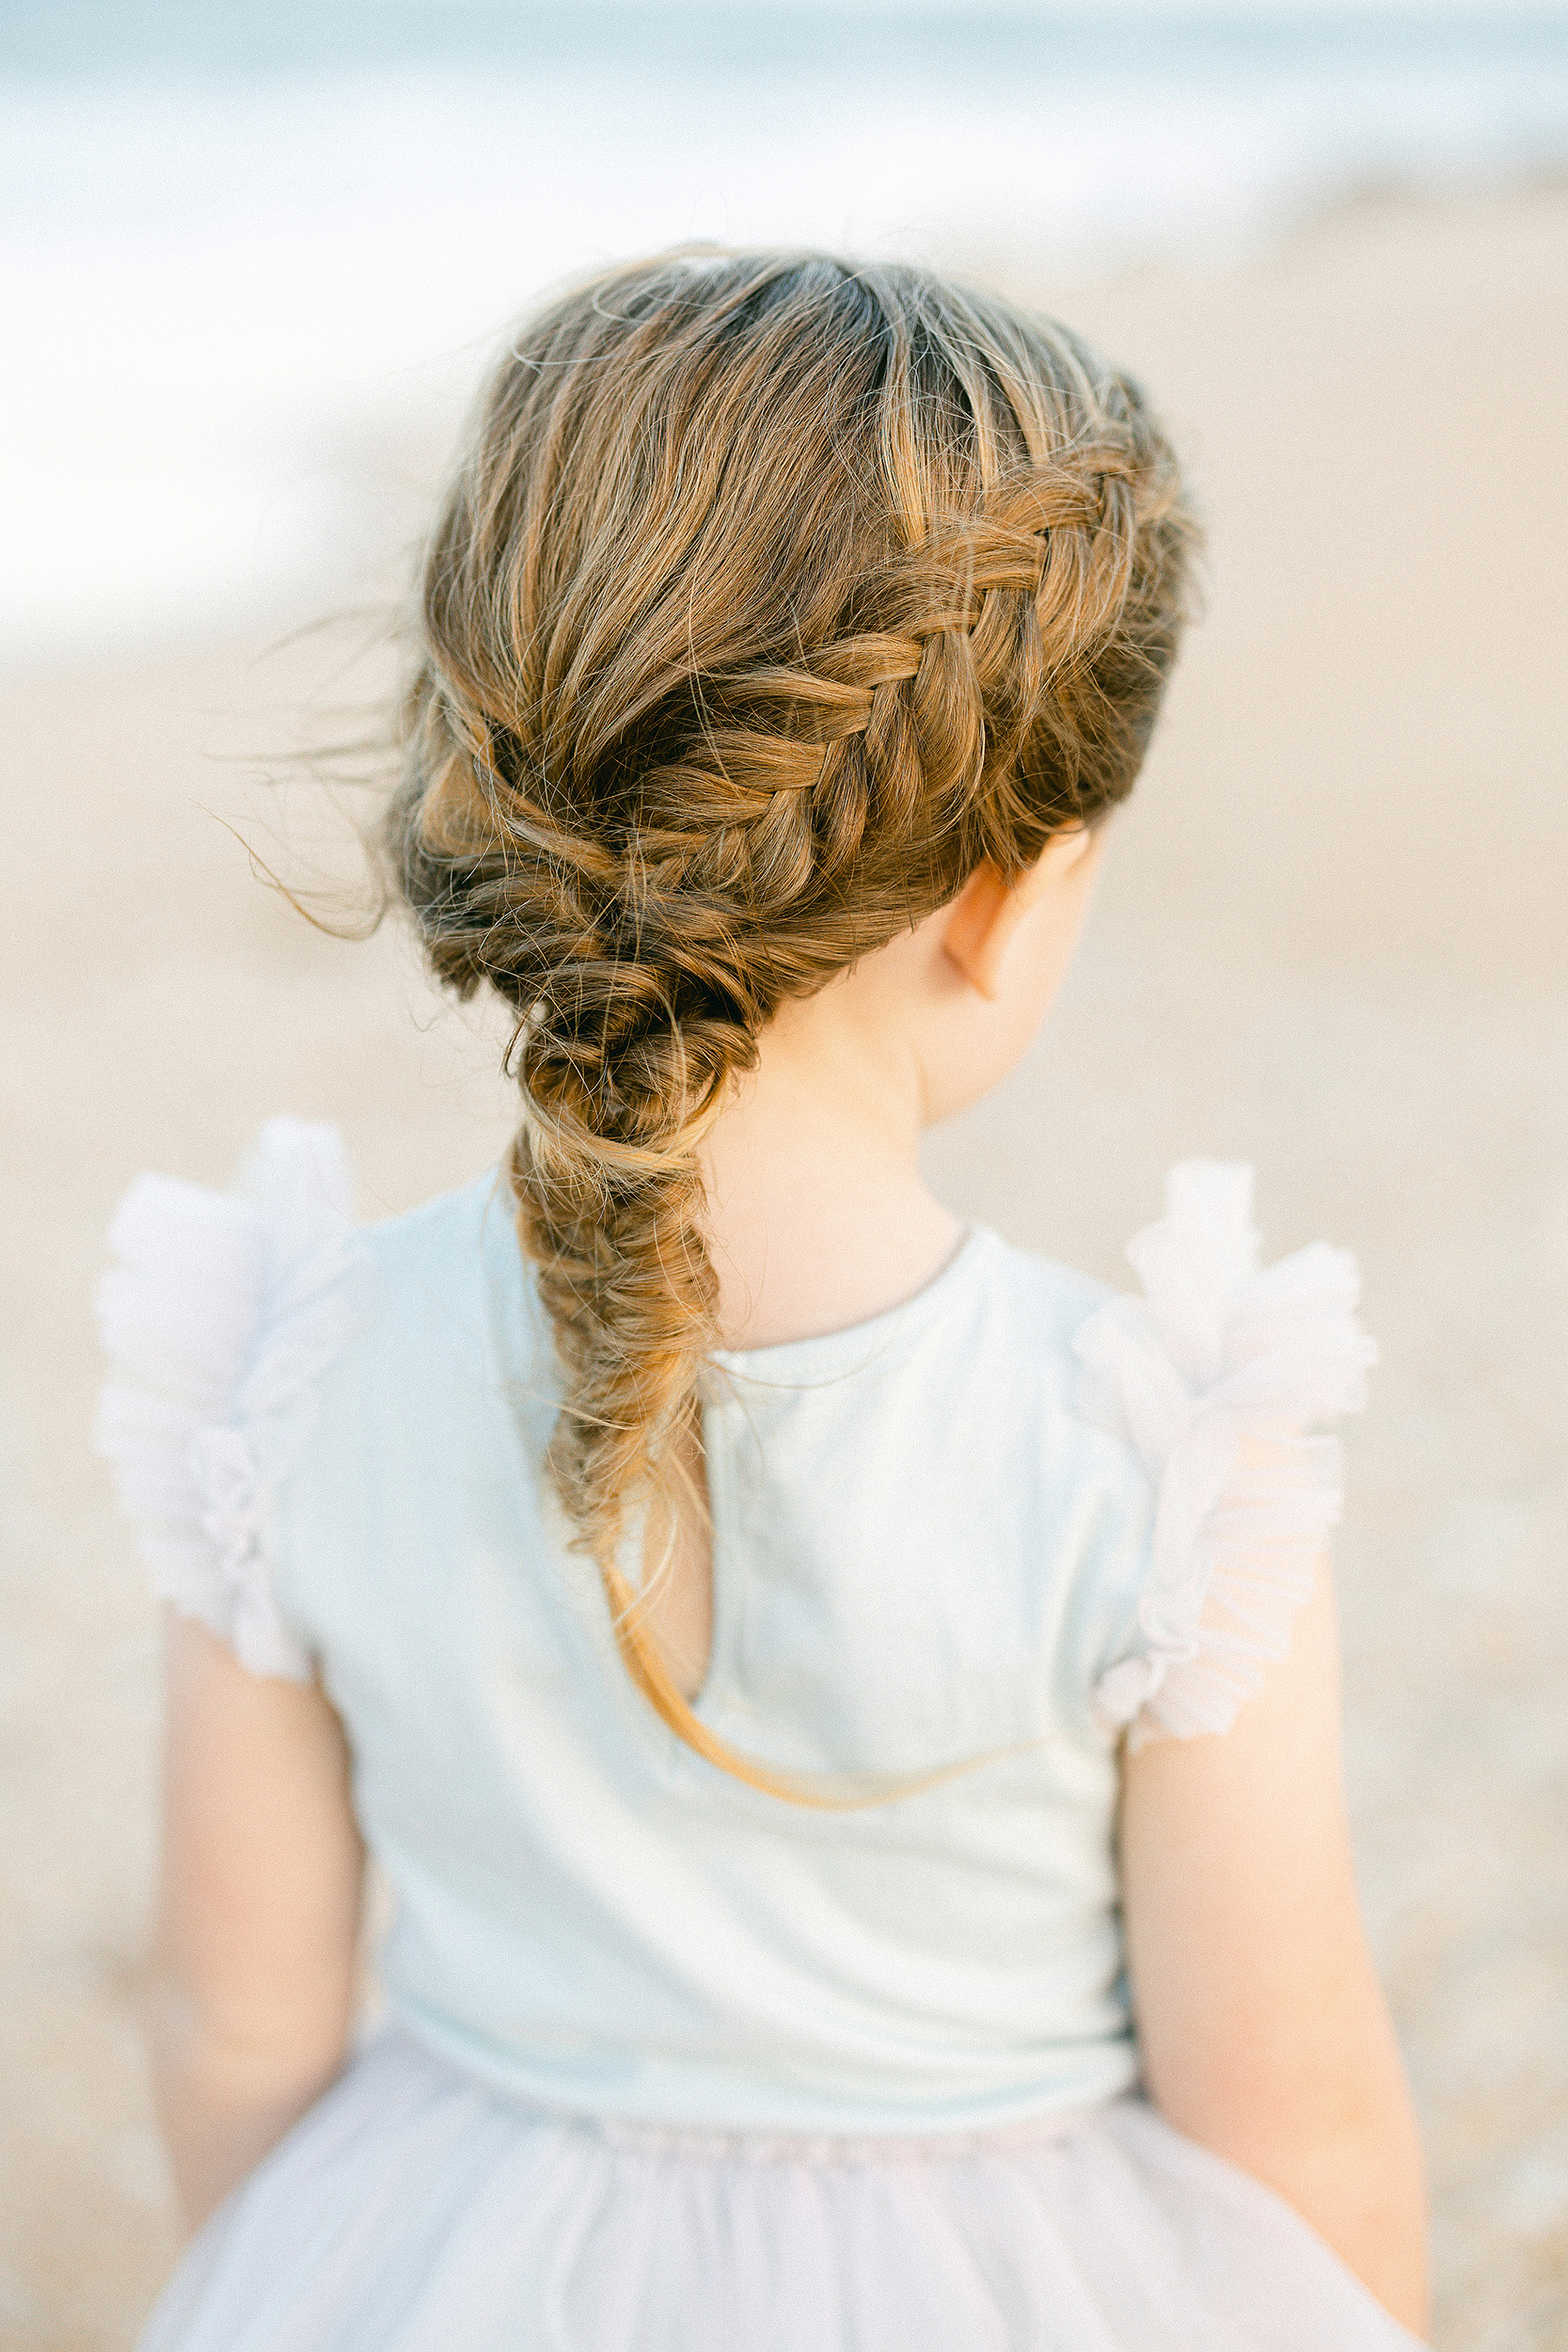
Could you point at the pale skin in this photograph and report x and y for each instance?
(1263, 2032)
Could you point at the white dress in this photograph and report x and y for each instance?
(670, 2065)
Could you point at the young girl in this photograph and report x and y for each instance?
(846, 1712)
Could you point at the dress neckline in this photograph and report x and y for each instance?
(830, 1352)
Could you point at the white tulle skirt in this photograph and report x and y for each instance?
(414, 2209)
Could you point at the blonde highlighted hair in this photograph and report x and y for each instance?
(772, 595)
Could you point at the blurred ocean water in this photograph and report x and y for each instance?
(241, 243)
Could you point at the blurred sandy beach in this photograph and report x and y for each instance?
(1331, 940)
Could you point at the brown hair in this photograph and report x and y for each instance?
(772, 595)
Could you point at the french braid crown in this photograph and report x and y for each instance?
(771, 597)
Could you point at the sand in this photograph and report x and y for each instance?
(1329, 941)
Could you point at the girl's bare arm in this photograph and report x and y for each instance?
(1263, 2029)
(251, 1985)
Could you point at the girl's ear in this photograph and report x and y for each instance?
(988, 908)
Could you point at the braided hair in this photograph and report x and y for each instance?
(772, 595)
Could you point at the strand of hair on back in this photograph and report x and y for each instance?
(825, 1792)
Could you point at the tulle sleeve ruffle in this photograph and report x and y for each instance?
(221, 1313)
(1216, 1378)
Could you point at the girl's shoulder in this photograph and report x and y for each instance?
(1214, 1384)
(223, 1316)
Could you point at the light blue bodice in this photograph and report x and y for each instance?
(919, 1555)
(935, 1538)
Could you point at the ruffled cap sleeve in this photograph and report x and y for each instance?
(1216, 1378)
(220, 1313)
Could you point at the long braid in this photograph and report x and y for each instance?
(772, 600)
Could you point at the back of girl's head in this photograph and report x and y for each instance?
(772, 597)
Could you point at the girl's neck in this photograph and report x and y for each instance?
(819, 1216)
(818, 1213)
